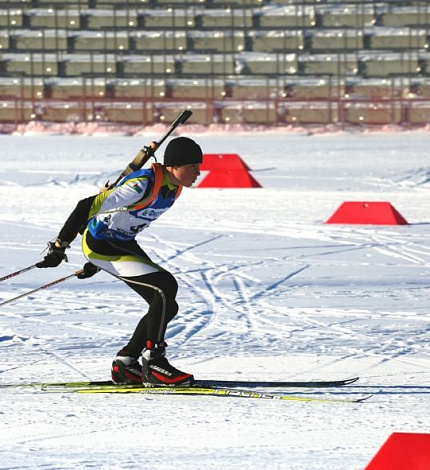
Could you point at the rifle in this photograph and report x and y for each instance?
(147, 152)
(139, 160)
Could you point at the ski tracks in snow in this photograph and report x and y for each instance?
(261, 310)
(230, 299)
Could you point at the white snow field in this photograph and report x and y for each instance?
(267, 291)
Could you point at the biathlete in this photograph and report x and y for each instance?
(109, 223)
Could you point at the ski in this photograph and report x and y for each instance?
(201, 383)
(209, 391)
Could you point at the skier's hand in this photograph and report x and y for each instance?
(56, 254)
(89, 270)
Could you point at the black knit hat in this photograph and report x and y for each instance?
(182, 151)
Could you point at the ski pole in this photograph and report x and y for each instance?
(147, 152)
(16, 273)
(45, 286)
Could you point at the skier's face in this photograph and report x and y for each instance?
(186, 175)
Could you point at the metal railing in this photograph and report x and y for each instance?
(341, 112)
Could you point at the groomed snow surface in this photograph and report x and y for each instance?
(267, 291)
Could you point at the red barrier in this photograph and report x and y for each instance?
(229, 179)
(403, 451)
(223, 161)
(226, 170)
(367, 213)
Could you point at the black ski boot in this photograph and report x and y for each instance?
(158, 372)
(126, 370)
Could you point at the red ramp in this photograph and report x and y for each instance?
(223, 161)
(403, 451)
(229, 179)
(367, 213)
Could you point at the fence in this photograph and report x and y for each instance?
(274, 102)
(277, 112)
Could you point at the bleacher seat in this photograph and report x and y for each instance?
(229, 113)
(51, 18)
(4, 40)
(169, 3)
(246, 112)
(106, 19)
(397, 38)
(44, 40)
(166, 19)
(17, 4)
(113, 4)
(277, 41)
(74, 88)
(405, 15)
(51, 111)
(165, 41)
(419, 88)
(60, 3)
(227, 18)
(11, 18)
(128, 113)
(207, 64)
(217, 41)
(308, 113)
(18, 87)
(336, 40)
(389, 64)
(102, 41)
(329, 64)
(377, 113)
(259, 112)
(257, 88)
(358, 15)
(375, 88)
(30, 64)
(202, 88)
(16, 112)
(419, 114)
(77, 65)
(302, 88)
(167, 112)
(136, 88)
(291, 16)
(424, 63)
(257, 63)
(141, 65)
(232, 3)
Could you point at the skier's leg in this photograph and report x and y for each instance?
(159, 290)
(128, 262)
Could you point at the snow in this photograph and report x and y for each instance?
(267, 290)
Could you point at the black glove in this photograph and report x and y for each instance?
(55, 255)
(89, 270)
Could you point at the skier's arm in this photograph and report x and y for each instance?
(75, 224)
(76, 221)
(126, 194)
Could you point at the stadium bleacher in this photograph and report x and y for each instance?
(272, 62)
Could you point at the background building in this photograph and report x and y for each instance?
(262, 62)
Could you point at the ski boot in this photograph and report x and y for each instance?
(156, 370)
(126, 370)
